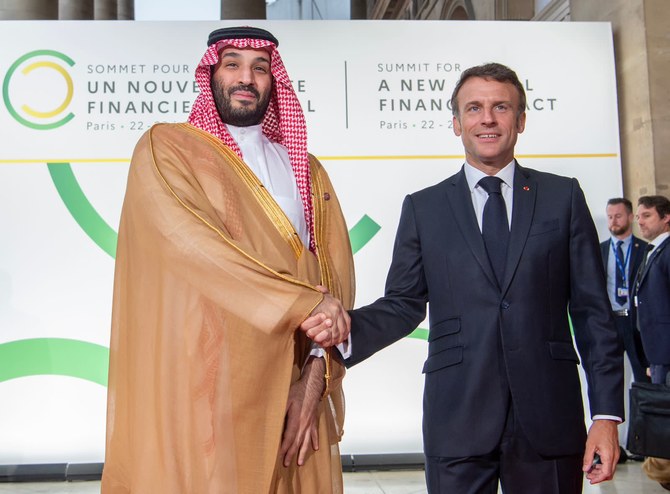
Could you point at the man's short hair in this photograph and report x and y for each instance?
(660, 203)
(497, 72)
(621, 200)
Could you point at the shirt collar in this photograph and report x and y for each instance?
(659, 240)
(252, 132)
(474, 175)
(626, 240)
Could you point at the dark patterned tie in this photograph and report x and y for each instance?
(495, 228)
(619, 279)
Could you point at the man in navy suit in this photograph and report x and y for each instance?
(652, 298)
(622, 254)
(502, 397)
(652, 292)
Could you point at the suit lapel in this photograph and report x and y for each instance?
(524, 193)
(605, 251)
(652, 258)
(460, 200)
(635, 257)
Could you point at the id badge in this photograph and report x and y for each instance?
(622, 292)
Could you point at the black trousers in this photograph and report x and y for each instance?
(514, 463)
(632, 344)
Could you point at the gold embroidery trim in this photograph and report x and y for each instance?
(272, 209)
(207, 223)
(320, 229)
(327, 375)
(224, 148)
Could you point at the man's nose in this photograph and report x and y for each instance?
(246, 76)
(488, 116)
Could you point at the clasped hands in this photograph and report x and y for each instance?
(329, 323)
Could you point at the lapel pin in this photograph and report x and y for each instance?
(326, 196)
(526, 188)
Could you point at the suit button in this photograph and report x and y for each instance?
(505, 305)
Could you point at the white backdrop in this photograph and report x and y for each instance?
(78, 95)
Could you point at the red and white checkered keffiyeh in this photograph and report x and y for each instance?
(284, 121)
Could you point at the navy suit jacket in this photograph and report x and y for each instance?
(638, 248)
(487, 343)
(653, 300)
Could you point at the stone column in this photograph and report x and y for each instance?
(75, 9)
(125, 10)
(243, 9)
(359, 9)
(28, 9)
(105, 10)
(642, 55)
(657, 18)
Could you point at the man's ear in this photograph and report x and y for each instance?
(521, 123)
(457, 126)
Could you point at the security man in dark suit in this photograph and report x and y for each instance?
(503, 253)
(622, 255)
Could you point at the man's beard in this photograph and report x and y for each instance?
(619, 230)
(243, 116)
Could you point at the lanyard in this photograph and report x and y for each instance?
(619, 266)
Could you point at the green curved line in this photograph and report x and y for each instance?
(362, 232)
(35, 126)
(54, 356)
(5, 90)
(81, 209)
(419, 334)
(106, 238)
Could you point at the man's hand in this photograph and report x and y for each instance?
(300, 427)
(603, 439)
(329, 323)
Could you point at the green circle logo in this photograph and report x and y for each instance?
(35, 68)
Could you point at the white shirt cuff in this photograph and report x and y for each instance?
(344, 348)
(607, 417)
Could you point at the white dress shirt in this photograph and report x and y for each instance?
(479, 198)
(657, 241)
(612, 266)
(271, 164)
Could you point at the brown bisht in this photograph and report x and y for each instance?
(210, 287)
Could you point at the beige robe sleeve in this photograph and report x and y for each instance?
(206, 226)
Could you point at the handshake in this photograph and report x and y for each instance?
(329, 323)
